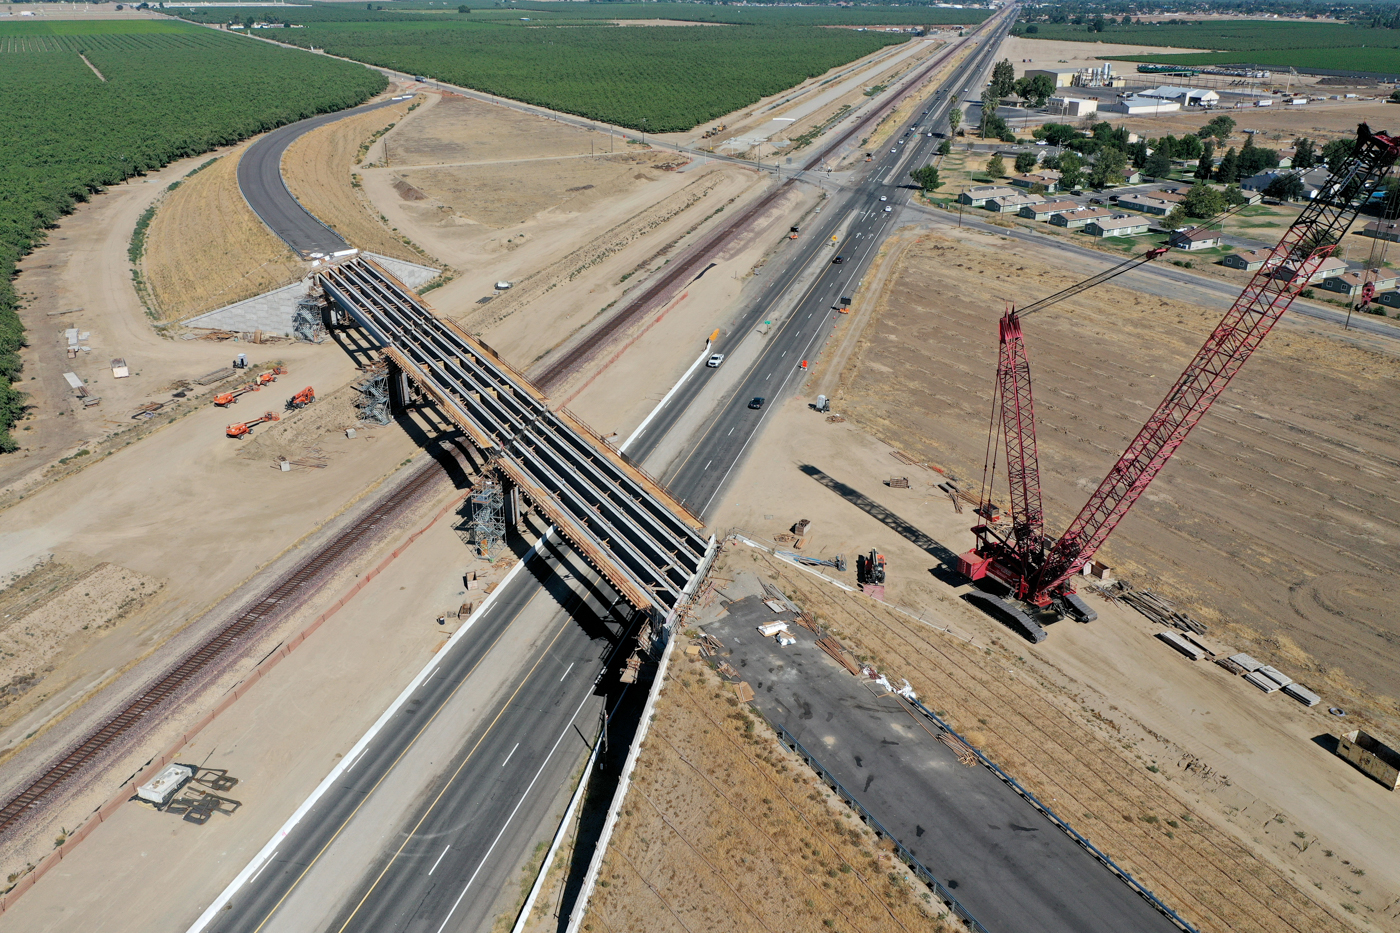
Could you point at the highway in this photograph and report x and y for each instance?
(426, 828)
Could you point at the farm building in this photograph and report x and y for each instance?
(1195, 238)
(1117, 225)
(1187, 96)
(1143, 106)
(1047, 209)
(1063, 77)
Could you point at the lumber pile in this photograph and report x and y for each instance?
(1154, 606)
(960, 748)
(837, 652)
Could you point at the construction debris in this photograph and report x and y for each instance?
(898, 482)
(743, 691)
(631, 669)
(834, 419)
(960, 748)
(837, 652)
(1153, 606)
(218, 375)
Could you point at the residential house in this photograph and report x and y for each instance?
(1047, 177)
(1390, 299)
(1151, 202)
(1327, 269)
(1313, 180)
(1383, 230)
(1194, 239)
(977, 196)
(1047, 209)
(1117, 225)
(1250, 260)
(1073, 220)
(1351, 283)
(1011, 203)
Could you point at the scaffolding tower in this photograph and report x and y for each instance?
(308, 324)
(488, 524)
(374, 394)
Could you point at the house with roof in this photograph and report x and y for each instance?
(1011, 203)
(1142, 106)
(1383, 230)
(1194, 239)
(1390, 299)
(1152, 202)
(1047, 177)
(1117, 225)
(1250, 260)
(1351, 284)
(1047, 209)
(1074, 220)
(1328, 268)
(977, 195)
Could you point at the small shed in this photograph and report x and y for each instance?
(1372, 756)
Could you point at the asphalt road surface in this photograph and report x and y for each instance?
(1013, 869)
(260, 180)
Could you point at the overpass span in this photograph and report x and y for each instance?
(650, 548)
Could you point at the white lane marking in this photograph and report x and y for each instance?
(512, 752)
(430, 676)
(266, 862)
(523, 797)
(242, 878)
(665, 398)
(355, 761)
(566, 672)
(731, 431)
(439, 860)
(708, 462)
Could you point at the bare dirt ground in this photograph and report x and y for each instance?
(205, 248)
(319, 169)
(724, 828)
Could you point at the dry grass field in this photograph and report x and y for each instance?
(205, 248)
(1276, 522)
(724, 829)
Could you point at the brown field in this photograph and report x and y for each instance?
(206, 248)
(724, 829)
(318, 169)
(1274, 522)
(1078, 761)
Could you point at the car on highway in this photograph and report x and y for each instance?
(838, 260)
(929, 134)
(884, 198)
(894, 150)
(757, 402)
(714, 361)
(888, 209)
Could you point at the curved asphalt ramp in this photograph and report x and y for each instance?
(260, 180)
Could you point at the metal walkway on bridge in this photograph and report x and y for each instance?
(647, 545)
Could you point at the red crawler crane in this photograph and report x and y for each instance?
(1039, 571)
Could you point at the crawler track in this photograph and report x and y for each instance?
(280, 598)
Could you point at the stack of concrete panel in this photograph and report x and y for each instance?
(1283, 680)
(1302, 694)
(1260, 681)
(1181, 644)
(1246, 662)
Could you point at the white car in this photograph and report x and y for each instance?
(929, 134)
(714, 361)
(888, 209)
(894, 150)
(883, 198)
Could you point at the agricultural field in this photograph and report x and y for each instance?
(648, 79)
(1334, 46)
(86, 104)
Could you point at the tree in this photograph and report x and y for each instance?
(1286, 188)
(1336, 152)
(926, 178)
(1037, 89)
(1126, 21)
(1098, 24)
(1032, 29)
(464, 9)
(1003, 77)
(1187, 147)
(945, 147)
(1071, 174)
(1108, 167)
(1234, 196)
(1203, 201)
(989, 109)
(1159, 164)
(1229, 168)
(954, 120)
(1025, 161)
(1056, 134)
(996, 167)
(1304, 155)
(1175, 219)
(1050, 162)
(1255, 159)
(1206, 161)
(1220, 127)
(1137, 152)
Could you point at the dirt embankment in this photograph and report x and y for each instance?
(319, 169)
(205, 248)
(724, 829)
(1275, 522)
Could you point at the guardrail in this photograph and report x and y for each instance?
(868, 818)
(1054, 817)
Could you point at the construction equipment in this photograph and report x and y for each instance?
(270, 376)
(870, 568)
(303, 398)
(225, 399)
(245, 429)
(1039, 570)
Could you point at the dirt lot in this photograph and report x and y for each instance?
(319, 167)
(724, 828)
(205, 248)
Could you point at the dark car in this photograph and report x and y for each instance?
(756, 403)
(1096, 200)
(838, 260)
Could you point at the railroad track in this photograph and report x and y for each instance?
(280, 599)
(1187, 883)
(550, 378)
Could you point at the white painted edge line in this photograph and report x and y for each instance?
(665, 398)
(353, 755)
